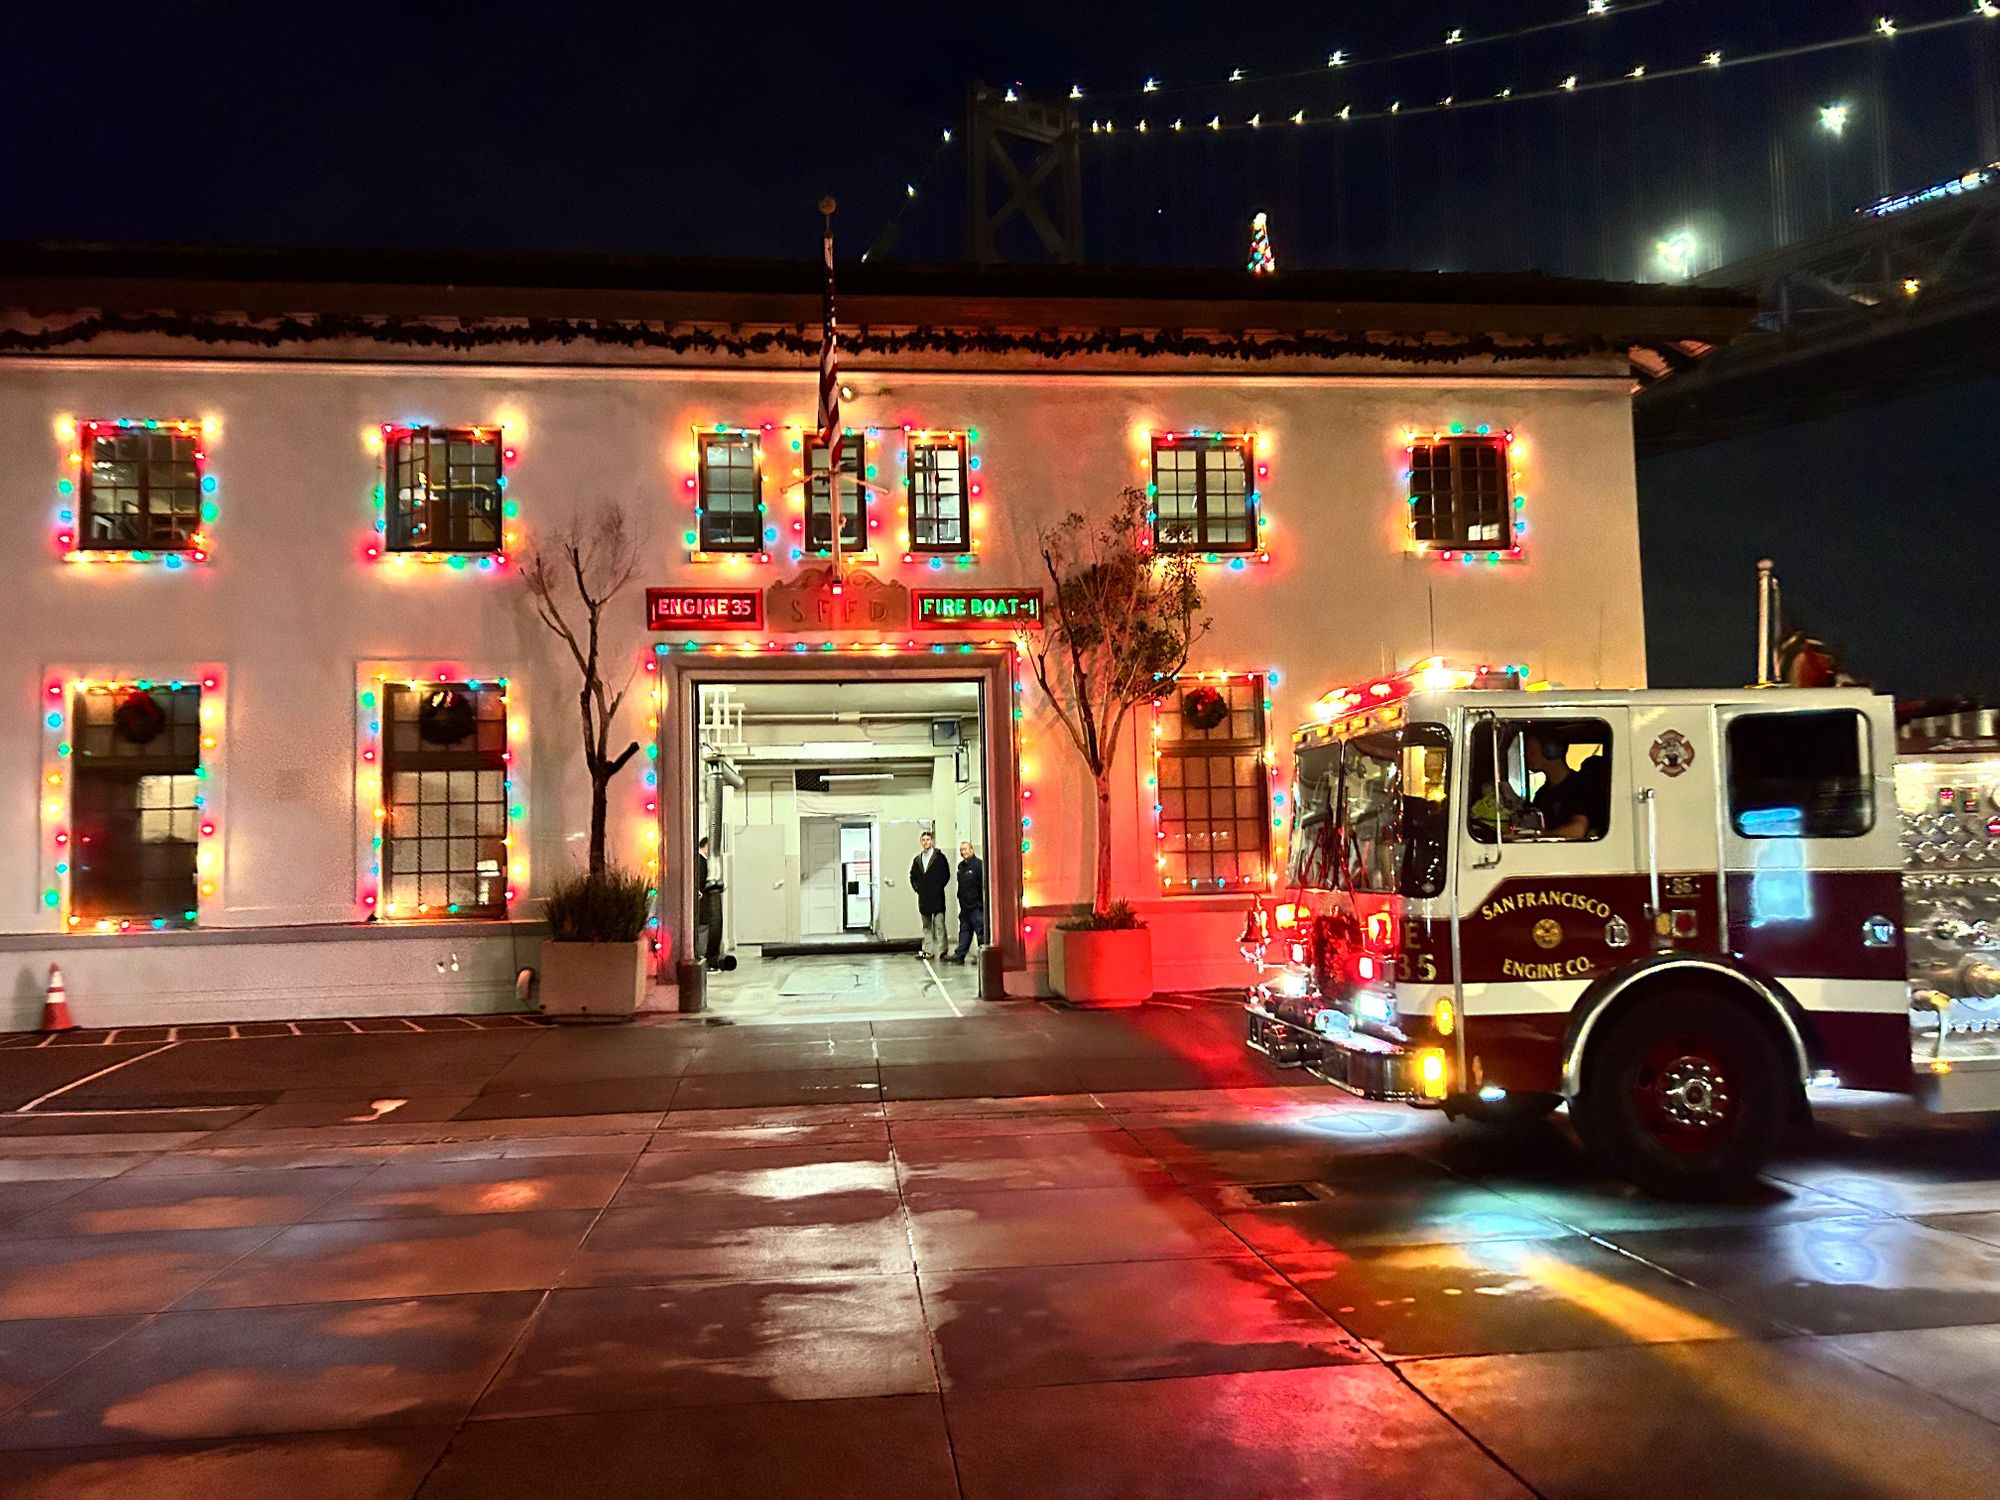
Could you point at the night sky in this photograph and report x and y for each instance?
(712, 130)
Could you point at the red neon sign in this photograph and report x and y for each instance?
(704, 609)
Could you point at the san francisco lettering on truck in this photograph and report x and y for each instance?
(1568, 900)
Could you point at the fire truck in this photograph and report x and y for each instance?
(1676, 912)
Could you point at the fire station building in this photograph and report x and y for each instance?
(284, 736)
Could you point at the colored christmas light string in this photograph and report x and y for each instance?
(62, 693)
(876, 486)
(69, 532)
(371, 790)
(1512, 450)
(1257, 455)
(381, 440)
(1268, 678)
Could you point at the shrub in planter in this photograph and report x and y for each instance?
(594, 962)
(1102, 958)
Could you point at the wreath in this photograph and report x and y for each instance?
(1204, 708)
(445, 717)
(138, 718)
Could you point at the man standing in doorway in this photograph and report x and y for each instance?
(971, 900)
(708, 909)
(930, 873)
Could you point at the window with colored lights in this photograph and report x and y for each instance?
(731, 495)
(853, 496)
(1214, 795)
(444, 780)
(135, 809)
(445, 488)
(140, 489)
(1459, 493)
(939, 520)
(1203, 498)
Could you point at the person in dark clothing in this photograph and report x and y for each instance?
(1574, 802)
(708, 908)
(930, 873)
(971, 900)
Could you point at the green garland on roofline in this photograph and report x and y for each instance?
(273, 333)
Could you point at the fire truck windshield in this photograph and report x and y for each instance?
(1370, 813)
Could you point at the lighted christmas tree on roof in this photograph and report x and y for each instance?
(1261, 259)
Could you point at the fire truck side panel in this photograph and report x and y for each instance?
(1813, 890)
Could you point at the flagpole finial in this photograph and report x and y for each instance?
(827, 205)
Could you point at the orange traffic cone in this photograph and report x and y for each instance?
(55, 1010)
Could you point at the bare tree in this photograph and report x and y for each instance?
(581, 567)
(1125, 618)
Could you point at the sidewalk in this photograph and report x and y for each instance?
(1267, 1290)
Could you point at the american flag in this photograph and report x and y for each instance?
(829, 394)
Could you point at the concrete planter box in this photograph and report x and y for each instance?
(1101, 968)
(593, 981)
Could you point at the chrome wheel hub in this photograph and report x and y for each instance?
(1694, 1093)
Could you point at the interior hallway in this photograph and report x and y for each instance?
(843, 987)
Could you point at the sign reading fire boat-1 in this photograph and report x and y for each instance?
(974, 609)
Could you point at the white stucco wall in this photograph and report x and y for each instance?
(288, 608)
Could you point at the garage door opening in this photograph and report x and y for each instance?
(813, 797)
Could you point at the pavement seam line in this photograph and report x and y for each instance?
(93, 1077)
(924, 1314)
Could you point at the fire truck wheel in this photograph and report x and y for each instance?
(1685, 1095)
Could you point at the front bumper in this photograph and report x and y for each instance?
(1336, 1054)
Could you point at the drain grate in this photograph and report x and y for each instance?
(1282, 1192)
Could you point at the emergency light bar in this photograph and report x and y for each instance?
(1432, 675)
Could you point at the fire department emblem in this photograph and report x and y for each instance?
(1548, 933)
(1673, 753)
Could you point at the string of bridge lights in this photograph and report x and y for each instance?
(1457, 38)
(1833, 118)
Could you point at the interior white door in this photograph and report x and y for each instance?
(857, 875)
(821, 908)
(759, 904)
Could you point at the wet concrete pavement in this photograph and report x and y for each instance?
(1084, 1291)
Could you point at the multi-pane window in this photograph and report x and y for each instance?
(853, 497)
(135, 809)
(1214, 793)
(732, 492)
(444, 774)
(1459, 493)
(1203, 500)
(939, 520)
(444, 489)
(141, 490)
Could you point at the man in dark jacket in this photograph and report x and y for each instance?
(930, 873)
(971, 900)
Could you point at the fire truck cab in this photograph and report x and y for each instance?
(1674, 911)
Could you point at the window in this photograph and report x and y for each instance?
(1801, 775)
(141, 490)
(1203, 500)
(1554, 780)
(1214, 797)
(444, 489)
(853, 497)
(444, 773)
(1459, 493)
(732, 492)
(135, 807)
(939, 521)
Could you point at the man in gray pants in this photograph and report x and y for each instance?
(930, 873)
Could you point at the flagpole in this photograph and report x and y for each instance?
(830, 436)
